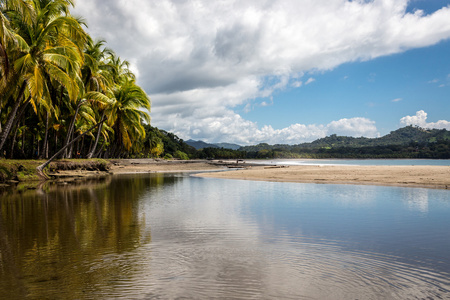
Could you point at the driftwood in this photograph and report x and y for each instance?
(276, 167)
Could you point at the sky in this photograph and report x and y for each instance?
(282, 71)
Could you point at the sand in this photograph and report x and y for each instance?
(413, 176)
(130, 166)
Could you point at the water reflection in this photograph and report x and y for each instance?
(73, 233)
(172, 236)
(417, 199)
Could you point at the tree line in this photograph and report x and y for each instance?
(407, 142)
(58, 83)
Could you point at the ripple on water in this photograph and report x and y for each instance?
(301, 270)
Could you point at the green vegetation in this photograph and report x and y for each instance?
(25, 170)
(160, 143)
(56, 83)
(407, 142)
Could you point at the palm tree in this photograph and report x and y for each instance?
(49, 65)
(100, 102)
(97, 78)
(49, 50)
(11, 10)
(97, 72)
(125, 114)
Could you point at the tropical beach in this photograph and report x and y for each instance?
(278, 149)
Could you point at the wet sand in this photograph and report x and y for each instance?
(413, 176)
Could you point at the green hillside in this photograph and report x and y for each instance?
(406, 142)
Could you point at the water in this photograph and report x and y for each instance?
(155, 236)
(354, 162)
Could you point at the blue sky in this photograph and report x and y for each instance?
(384, 89)
(283, 71)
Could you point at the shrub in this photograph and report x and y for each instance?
(181, 155)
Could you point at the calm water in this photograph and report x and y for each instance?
(158, 236)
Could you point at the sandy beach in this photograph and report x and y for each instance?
(413, 176)
(130, 166)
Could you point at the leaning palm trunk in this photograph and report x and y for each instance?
(91, 153)
(12, 115)
(40, 168)
(13, 143)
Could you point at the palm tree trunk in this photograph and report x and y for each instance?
(23, 141)
(56, 140)
(91, 143)
(99, 151)
(12, 115)
(16, 123)
(44, 152)
(40, 168)
(13, 142)
(97, 138)
(70, 151)
(81, 149)
(71, 126)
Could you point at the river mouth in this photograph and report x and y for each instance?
(169, 236)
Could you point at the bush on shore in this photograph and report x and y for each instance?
(25, 170)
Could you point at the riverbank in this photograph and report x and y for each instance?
(143, 165)
(66, 170)
(14, 171)
(411, 176)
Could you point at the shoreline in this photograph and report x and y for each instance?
(427, 176)
(437, 177)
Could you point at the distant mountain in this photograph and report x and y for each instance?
(228, 146)
(200, 144)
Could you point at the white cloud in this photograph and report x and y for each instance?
(353, 127)
(200, 60)
(231, 127)
(397, 99)
(420, 119)
(297, 84)
(310, 80)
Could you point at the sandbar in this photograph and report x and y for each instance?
(142, 165)
(411, 176)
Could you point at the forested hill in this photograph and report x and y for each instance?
(406, 142)
(402, 136)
